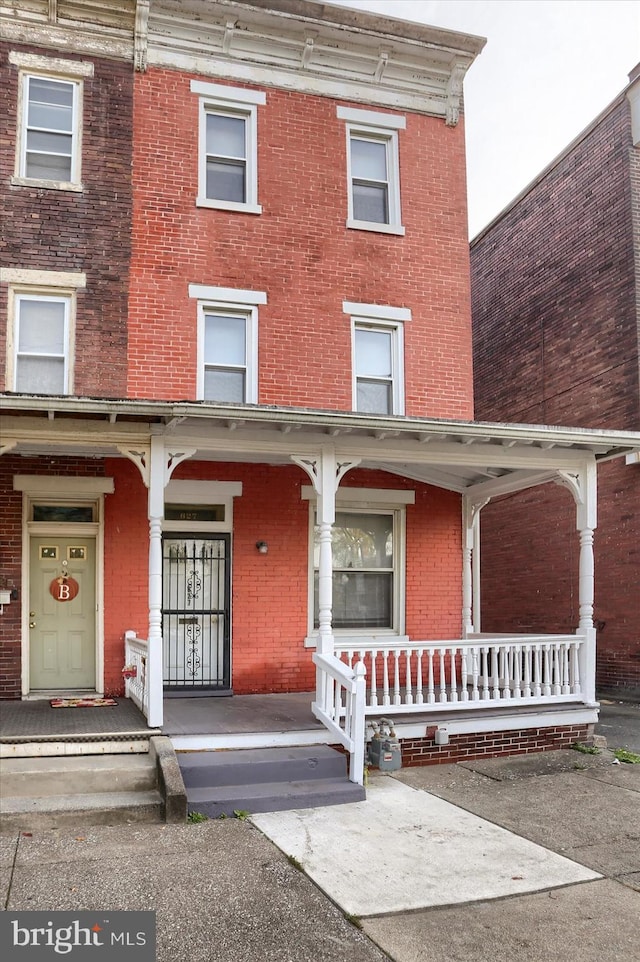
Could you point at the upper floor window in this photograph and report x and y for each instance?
(373, 170)
(227, 343)
(48, 148)
(228, 147)
(41, 324)
(377, 339)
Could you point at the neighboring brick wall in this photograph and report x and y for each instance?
(299, 251)
(479, 745)
(556, 327)
(88, 231)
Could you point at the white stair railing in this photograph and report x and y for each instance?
(470, 673)
(135, 671)
(340, 706)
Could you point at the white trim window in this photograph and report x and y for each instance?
(41, 344)
(228, 147)
(373, 170)
(377, 351)
(49, 141)
(227, 344)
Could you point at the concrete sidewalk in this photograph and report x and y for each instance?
(568, 823)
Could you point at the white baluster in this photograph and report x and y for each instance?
(566, 682)
(397, 696)
(506, 674)
(576, 687)
(454, 682)
(517, 671)
(486, 693)
(443, 677)
(496, 672)
(557, 670)
(419, 679)
(409, 692)
(385, 678)
(527, 671)
(475, 673)
(374, 684)
(546, 676)
(537, 671)
(464, 675)
(431, 695)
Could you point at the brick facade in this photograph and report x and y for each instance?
(299, 252)
(555, 298)
(87, 231)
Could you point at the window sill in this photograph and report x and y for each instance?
(46, 184)
(229, 205)
(382, 639)
(378, 228)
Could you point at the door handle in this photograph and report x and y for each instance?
(32, 624)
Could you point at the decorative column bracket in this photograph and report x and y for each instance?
(471, 564)
(141, 459)
(454, 95)
(141, 36)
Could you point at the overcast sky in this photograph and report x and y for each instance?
(548, 69)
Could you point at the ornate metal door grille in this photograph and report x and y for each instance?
(195, 612)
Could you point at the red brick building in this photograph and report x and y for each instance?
(288, 484)
(556, 320)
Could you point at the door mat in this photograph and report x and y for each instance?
(82, 702)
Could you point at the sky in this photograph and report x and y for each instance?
(548, 69)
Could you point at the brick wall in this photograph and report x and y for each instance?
(88, 231)
(556, 323)
(299, 251)
(477, 745)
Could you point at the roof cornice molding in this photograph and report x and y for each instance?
(72, 26)
(314, 48)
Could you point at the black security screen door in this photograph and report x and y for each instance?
(195, 612)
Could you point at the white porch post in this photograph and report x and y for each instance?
(583, 486)
(156, 513)
(471, 565)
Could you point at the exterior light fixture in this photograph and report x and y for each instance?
(262, 547)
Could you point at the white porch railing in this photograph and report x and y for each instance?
(340, 706)
(135, 664)
(471, 673)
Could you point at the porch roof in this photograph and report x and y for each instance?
(483, 458)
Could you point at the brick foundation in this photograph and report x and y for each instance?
(467, 747)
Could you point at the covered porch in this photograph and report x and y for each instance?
(436, 689)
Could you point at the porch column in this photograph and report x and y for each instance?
(583, 487)
(471, 565)
(156, 514)
(325, 472)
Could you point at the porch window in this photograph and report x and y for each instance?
(364, 570)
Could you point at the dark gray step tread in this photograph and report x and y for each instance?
(265, 790)
(261, 765)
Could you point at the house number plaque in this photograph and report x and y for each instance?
(64, 588)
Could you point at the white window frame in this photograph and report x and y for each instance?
(233, 102)
(59, 71)
(52, 286)
(381, 128)
(367, 501)
(381, 318)
(242, 303)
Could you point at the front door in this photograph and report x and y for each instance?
(195, 617)
(62, 623)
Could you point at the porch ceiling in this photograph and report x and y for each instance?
(490, 458)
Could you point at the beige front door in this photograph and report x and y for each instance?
(62, 633)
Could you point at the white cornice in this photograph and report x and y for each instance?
(315, 48)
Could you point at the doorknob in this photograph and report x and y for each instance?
(32, 624)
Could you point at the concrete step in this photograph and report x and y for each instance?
(245, 766)
(266, 780)
(77, 775)
(272, 796)
(57, 811)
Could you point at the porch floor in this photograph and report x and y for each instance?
(239, 714)
(31, 720)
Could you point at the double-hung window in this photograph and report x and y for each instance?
(48, 148)
(228, 147)
(227, 343)
(368, 553)
(377, 346)
(40, 330)
(373, 170)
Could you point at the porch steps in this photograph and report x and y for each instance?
(40, 793)
(266, 780)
